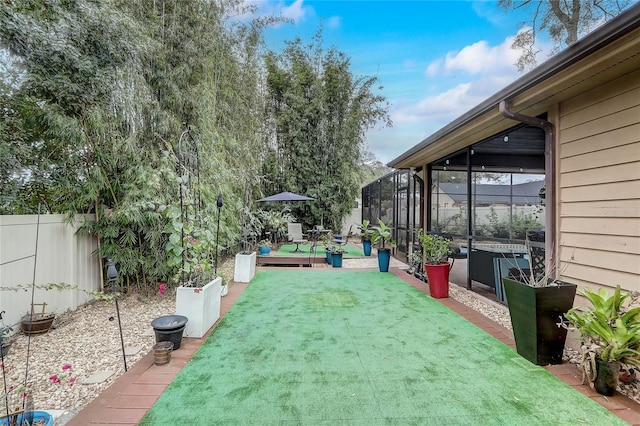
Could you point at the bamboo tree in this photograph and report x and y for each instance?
(319, 113)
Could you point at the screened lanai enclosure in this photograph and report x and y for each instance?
(488, 198)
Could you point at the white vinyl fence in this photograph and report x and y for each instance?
(62, 257)
(483, 214)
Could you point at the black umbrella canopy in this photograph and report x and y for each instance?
(286, 196)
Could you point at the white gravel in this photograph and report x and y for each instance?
(89, 340)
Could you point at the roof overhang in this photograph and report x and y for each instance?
(607, 53)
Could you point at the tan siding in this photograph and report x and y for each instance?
(610, 208)
(615, 243)
(623, 190)
(625, 101)
(606, 174)
(594, 143)
(608, 276)
(607, 90)
(604, 124)
(619, 260)
(605, 157)
(601, 225)
(599, 185)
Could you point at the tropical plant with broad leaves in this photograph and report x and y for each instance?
(382, 234)
(610, 326)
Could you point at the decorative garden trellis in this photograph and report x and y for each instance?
(188, 169)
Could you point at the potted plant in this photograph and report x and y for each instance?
(170, 328)
(6, 338)
(336, 255)
(537, 304)
(264, 247)
(37, 322)
(325, 239)
(245, 260)
(382, 235)
(191, 249)
(365, 233)
(610, 334)
(435, 249)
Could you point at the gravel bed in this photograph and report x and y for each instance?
(88, 339)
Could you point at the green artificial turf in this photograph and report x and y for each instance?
(360, 348)
(288, 250)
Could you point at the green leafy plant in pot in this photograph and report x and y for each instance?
(6, 336)
(366, 231)
(264, 247)
(435, 249)
(610, 335)
(537, 307)
(382, 235)
(337, 251)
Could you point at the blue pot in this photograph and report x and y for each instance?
(336, 260)
(329, 257)
(366, 246)
(264, 250)
(384, 257)
(29, 417)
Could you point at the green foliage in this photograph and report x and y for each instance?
(190, 248)
(264, 243)
(97, 295)
(318, 113)
(520, 225)
(382, 234)
(97, 98)
(435, 248)
(251, 230)
(366, 230)
(96, 95)
(275, 222)
(609, 327)
(564, 21)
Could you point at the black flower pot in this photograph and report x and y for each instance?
(607, 374)
(169, 328)
(535, 314)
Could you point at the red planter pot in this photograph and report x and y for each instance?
(438, 277)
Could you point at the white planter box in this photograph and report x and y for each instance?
(201, 305)
(245, 268)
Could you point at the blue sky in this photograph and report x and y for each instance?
(434, 59)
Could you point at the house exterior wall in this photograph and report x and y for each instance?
(599, 185)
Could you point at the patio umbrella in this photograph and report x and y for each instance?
(286, 196)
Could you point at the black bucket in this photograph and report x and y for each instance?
(169, 329)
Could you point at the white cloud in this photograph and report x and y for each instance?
(488, 11)
(444, 106)
(476, 58)
(334, 22)
(433, 68)
(296, 11)
(459, 81)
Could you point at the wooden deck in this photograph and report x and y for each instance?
(300, 261)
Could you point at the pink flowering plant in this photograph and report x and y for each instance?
(15, 396)
(162, 288)
(65, 377)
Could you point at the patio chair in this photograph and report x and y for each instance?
(295, 235)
